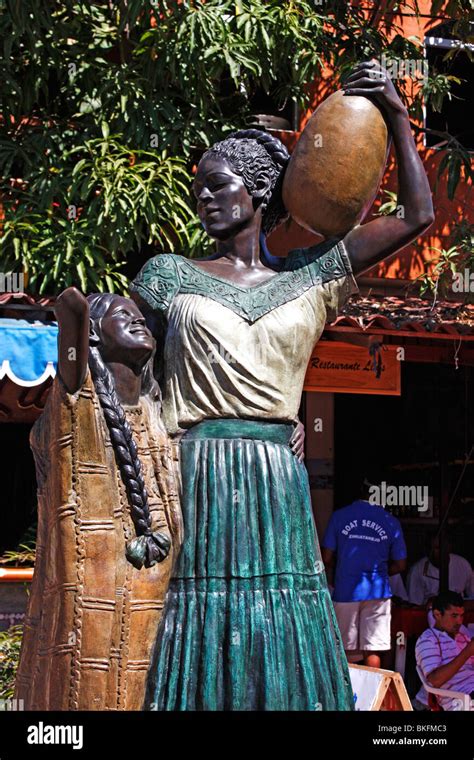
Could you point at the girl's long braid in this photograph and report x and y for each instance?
(148, 547)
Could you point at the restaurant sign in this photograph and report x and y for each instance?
(344, 368)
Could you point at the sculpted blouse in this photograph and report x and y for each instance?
(234, 351)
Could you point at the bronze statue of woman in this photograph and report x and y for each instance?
(248, 622)
(109, 524)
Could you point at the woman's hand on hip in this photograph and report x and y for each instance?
(297, 441)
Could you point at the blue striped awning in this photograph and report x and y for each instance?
(28, 351)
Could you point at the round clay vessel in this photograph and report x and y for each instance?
(337, 166)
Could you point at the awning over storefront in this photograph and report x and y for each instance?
(408, 316)
(429, 330)
(28, 351)
(363, 349)
(28, 362)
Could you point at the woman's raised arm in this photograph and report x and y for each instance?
(72, 312)
(374, 241)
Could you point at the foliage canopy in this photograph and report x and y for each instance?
(107, 106)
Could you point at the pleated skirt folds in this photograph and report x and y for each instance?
(248, 622)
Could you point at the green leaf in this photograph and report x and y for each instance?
(81, 270)
(454, 175)
(17, 247)
(79, 166)
(57, 266)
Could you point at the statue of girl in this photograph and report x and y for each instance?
(248, 622)
(109, 523)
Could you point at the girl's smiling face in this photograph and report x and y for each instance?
(124, 335)
(224, 204)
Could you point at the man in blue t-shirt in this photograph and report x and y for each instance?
(367, 545)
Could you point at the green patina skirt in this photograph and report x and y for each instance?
(248, 622)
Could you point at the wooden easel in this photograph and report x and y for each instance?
(384, 690)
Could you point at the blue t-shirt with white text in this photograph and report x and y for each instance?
(365, 537)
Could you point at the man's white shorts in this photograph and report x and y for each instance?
(365, 626)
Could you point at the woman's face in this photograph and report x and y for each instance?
(224, 204)
(124, 335)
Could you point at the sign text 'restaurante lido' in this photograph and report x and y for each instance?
(344, 368)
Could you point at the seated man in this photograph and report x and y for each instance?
(445, 653)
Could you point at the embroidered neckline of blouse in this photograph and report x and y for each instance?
(226, 281)
(166, 275)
